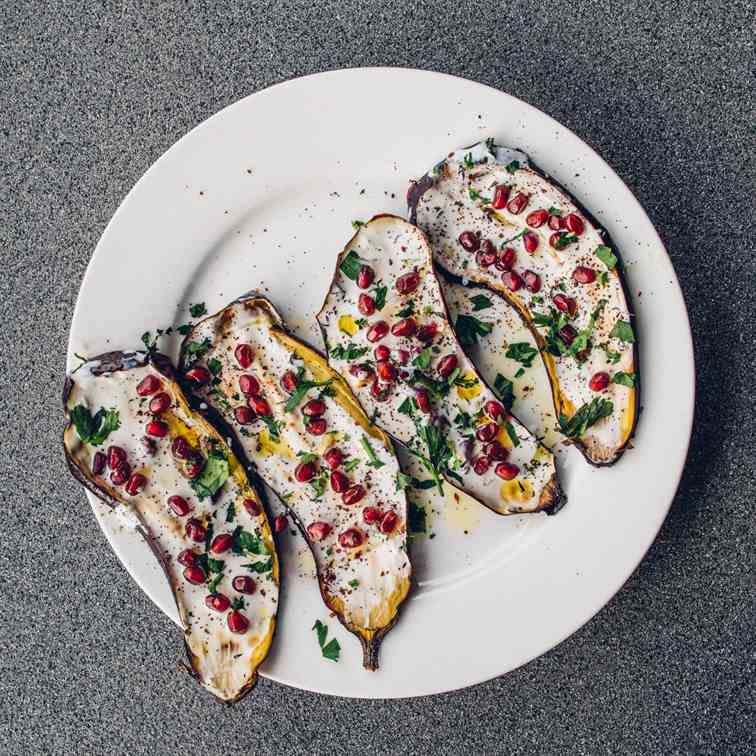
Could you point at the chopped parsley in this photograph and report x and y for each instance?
(505, 389)
(476, 195)
(416, 518)
(468, 328)
(348, 353)
(408, 406)
(260, 567)
(350, 265)
(511, 433)
(350, 464)
(513, 166)
(468, 160)
(94, 430)
(274, 427)
(238, 603)
(214, 366)
(319, 483)
(231, 512)
(408, 310)
(195, 349)
(197, 310)
(353, 583)
(330, 650)
(564, 240)
(185, 328)
(379, 295)
(247, 543)
(480, 302)
(612, 357)
(215, 473)
(300, 392)
(624, 379)
(522, 352)
(589, 414)
(372, 456)
(606, 256)
(423, 359)
(623, 331)
(555, 211)
(463, 421)
(305, 457)
(357, 224)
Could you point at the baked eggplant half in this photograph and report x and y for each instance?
(133, 441)
(298, 424)
(493, 219)
(386, 328)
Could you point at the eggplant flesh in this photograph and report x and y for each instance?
(446, 434)
(458, 196)
(224, 662)
(363, 567)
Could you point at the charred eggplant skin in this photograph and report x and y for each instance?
(419, 187)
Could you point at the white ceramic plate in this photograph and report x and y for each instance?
(261, 196)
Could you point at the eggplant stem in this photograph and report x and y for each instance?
(370, 648)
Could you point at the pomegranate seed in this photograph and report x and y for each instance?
(389, 522)
(99, 461)
(407, 283)
(195, 530)
(199, 375)
(352, 538)
(501, 195)
(186, 557)
(334, 457)
(530, 241)
(378, 392)
(422, 397)
(259, 405)
(244, 354)
(366, 304)
(305, 472)
(280, 523)
(237, 622)
(180, 448)
(121, 474)
(404, 328)
(157, 428)
(487, 247)
(314, 408)
(318, 530)
(160, 403)
(599, 381)
(485, 259)
(179, 505)
(217, 602)
(404, 374)
(195, 574)
(353, 494)
(116, 457)
(244, 584)
(377, 331)
(289, 381)
(149, 446)
(496, 451)
(252, 507)
(532, 281)
(564, 303)
(371, 515)
(567, 334)
(365, 277)
(339, 481)
(447, 365)
(381, 352)
(583, 275)
(249, 385)
(518, 203)
(507, 470)
(221, 543)
(506, 259)
(427, 333)
(135, 484)
(469, 241)
(556, 222)
(487, 432)
(149, 385)
(574, 224)
(511, 280)
(494, 410)
(402, 356)
(554, 238)
(193, 468)
(481, 465)
(537, 218)
(244, 415)
(386, 371)
(317, 427)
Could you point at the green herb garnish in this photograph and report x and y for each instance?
(624, 379)
(372, 456)
(349, 353)
(423, 360)
(94, 430)
(300, 392)
(379, 295)
(513, 166)
(585, 417)
(215, 473)
(476, 195)
(505, 389)
(468, 328)
(330, 650)
(261, 566)
(564, 240)
(623, 331)
(480, 302)
(197, 310)
(195, 349)
(416, 518)
(522, 352)
(350, 464)
(606, 256)
(350, 265)
(231, 512)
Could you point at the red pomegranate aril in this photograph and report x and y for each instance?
(99, 462)
(221, 543)
(599, 381)
(199, 375)
(135, 484)
(366, 304)
(244, 584)
(583, 275)
(179, 505)
(511, 280)
(574, 223)
(314, 408)
(402, 356)
(279, 523)
(353, 494)
(564, 303)
(334, 457)
(244, 415)
(447, 365)
(408, 282)
(404, 328)
(496, 451)
(149, 385)
(427, 333)
(378, 392)
(318, 530)
(381, 352)
(237, 622)
(339, 481)
(556, 222)
(186, 557)
(121, 474)
(244, 355)
(305, 472)
(518, 203)
(289, 381)
(372, 515)
(217, 602)
(365, 277)
(537, 218)
(506, 259)
(487, 247)
(317, 427)
(567, 334)
(116, 456)
(485, 259)
(494, 410)
(194, 574)
(252, 507)
(554, 239)
(507, 470)
(386, 371)
(259, 405)
(149, 446)
(501, 195)
(249, 385)
(377, 331)
(532, 281)
(157, 428)
(530, 241)
(195, 530)
(352, 538)
(160, 403)
(481, 465)
(180, 448)
(469, 241)
(422, 397)
(487, 432)
(389, 522)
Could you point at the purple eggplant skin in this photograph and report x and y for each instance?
(419, 186)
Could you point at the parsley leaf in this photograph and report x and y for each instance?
(357, 224)
(480, 302)
(274, 427)
(214, 474)
(245, 542)
(300, 392)
(623, 331)
(589, 414)
(468, 160)
(408, 406)
(379, 295)
(505, 389)
(214, 366)
(624, 379)
(231, 512)
(330, 650)
(350, 265)
(513, 166)
(349, 353)
(94, 430)
(564, 240)
(238, 603)
(511, 433)
(522, 352)
(416, 518)
(353, 583)
(612, 357)
(185, 328)
(260, 567)
(555, 211)
(197, 310)
(476, 195)
(195, 349)
(350, 464)
(423, 359)
(372, 456)
(468, 328)
(407, 310)
(606, 256)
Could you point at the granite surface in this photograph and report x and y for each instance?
(92, 93)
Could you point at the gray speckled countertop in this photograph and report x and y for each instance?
(91, 96)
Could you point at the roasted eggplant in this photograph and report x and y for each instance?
(298, 424)
(386, 329)
(133, 441)
(493, 219)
